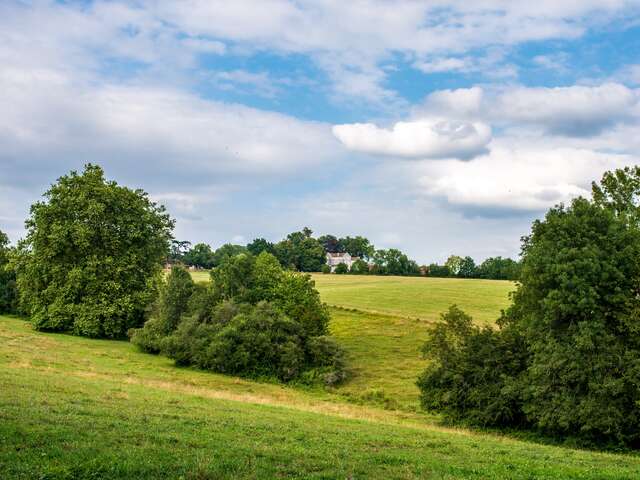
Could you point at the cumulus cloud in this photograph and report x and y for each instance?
(426, 138)
(572, 111)
(517, 178)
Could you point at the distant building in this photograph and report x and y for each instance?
(335, 259)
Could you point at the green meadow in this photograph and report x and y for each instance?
(72, 407)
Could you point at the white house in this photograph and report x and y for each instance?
(335, 259)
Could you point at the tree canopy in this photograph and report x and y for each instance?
(92, 253)
(566, 357)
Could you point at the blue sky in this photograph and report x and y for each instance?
(437, 127)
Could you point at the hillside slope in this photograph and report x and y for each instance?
(72, 407)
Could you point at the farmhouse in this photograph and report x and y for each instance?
(335, 259)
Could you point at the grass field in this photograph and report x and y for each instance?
(75, 408)
(384, 335)
(421, 297)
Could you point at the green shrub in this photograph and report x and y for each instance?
(325, 269)
(254, 319)
(473, 372)
(341, 268)
(173, 302)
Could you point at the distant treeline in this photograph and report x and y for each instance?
(301, 251)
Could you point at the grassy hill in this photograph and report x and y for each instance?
(415, 297)
(78, 408)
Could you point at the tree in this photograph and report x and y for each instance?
(331, 244)
(171, 305)
(453, 264)
(393, 262)
(8, 292)
(225, 251)
(259, 245)
(201, 255)
(435, 270)
(301, 252)
(566, 357)
(359, 267)
(498, 268)
(357, 247)
(178, 249)
(92, 255)
(467, 268)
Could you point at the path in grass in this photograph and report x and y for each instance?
(78, 408)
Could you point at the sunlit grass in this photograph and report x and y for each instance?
(72, 407)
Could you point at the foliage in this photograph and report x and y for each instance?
(91, 257)
(177, 250)
(436, 270)
(259, 245)
(567, 355)
(301, 252)
(467, 268)
(341, 268)
(472, 375)
(8, 291)
(359, 267)
(358, 247)
(325, 269)
(453, 264)
(394, 262)
(498, 268)
(172, 303)
(254, 319)
(331, 244)
(200, 255)
(226, 251)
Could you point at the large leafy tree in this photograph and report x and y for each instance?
(301, 252)
(358, 247)
(91, 256)
(566, 359)
(200, 255)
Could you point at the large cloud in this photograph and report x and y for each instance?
(573, 111)
(426, 138)
(517, 178)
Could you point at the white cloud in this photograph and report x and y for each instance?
(426, 138)
(572, 111)
(517, 178)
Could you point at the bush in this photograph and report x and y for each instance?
(254, 319)
(325, 269)
(253, 341)
(172, 303)
(341, 268)
(473, 371)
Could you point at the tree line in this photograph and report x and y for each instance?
(302, 252)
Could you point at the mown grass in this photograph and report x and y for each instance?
(77, 408)
(421, 297)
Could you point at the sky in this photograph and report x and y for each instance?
(436, 127)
